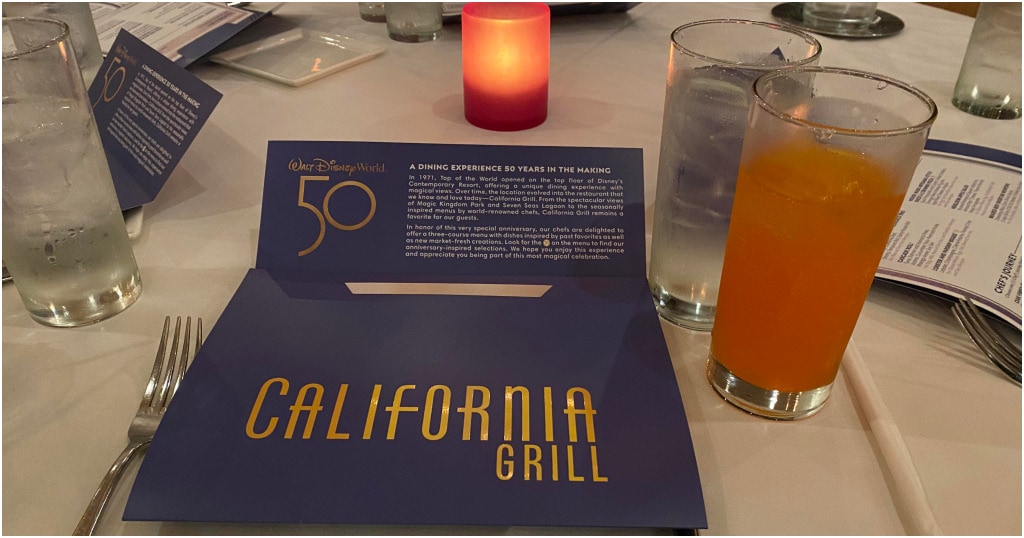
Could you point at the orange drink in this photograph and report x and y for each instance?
(827, 156)
(809, 226)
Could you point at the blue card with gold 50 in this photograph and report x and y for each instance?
(435, 335)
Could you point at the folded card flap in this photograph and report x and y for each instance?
(428, 410)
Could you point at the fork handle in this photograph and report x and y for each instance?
(87, 525)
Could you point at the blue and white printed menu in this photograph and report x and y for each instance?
(318, 398)
(959, 229)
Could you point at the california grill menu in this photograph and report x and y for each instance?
(513, 372)
(959, 229)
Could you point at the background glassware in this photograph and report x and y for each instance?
(712, 65)
(64, 239)
(414, 22)
(838, 14)
(78, 16)
(827, 158)
(989, 84)
(372, 11)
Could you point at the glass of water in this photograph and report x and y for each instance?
(711, 70)
(64, 239)
(78, 17)
(989, 84)
(838, 15)
(414, 22)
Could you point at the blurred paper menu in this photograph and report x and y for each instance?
(181, 31)
(959, 230)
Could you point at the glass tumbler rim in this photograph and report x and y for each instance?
(62, 35)
(883, 82)
(808, 38)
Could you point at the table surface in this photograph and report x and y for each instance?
(69, 394)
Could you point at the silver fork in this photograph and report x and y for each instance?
(163, 382)
(996, 346)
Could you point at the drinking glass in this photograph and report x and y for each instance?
(64, 239)
(839, 14)
(712, 66)
(414, 22)
(78, 17)
(372, 11)
(989, 84)
(827, 158)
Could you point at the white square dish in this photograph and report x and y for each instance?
(298, 56)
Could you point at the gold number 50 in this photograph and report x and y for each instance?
(324, 216)
(108, 77)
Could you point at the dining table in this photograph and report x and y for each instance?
(69, 394)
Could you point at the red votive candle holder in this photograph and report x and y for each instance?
(506, 49)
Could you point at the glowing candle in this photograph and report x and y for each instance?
(505, 58)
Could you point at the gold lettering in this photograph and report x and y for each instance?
(371, 413)
(554, 463)
(250, 426)
(300, 406)
(446, 402)
(593, 464)
(396, 407)
(549, 433)
(332, 432)
(307, 405)
(479, 410)
(569, 461)
(531, 460)
(571, 412)
(524, 412)
(504, 466)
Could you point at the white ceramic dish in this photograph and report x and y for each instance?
(298, 56)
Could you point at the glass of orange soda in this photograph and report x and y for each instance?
(827, 156)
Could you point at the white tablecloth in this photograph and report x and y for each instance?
(68, 395)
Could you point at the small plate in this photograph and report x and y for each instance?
(884, 25)
(298, 56)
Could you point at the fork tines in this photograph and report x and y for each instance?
(163, 383)
(168, 370)
(999, 349)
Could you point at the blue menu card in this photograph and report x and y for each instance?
(148, 111)
(435, 335)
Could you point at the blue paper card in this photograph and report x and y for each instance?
(362, 207)
(148, 111)
(317, 398)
